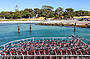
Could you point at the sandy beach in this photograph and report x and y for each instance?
(55, 22)
(50, 22)
(20, 21)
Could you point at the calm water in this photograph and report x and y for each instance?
(8, 32)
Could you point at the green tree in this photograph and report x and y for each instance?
(17, 15)
(37, 12)
(47, 11)
(47, 7)
(59, 12)
(10, 15)
(4, 14)
(69, 13)
(82, 13)
(89, 13)
(28, 13)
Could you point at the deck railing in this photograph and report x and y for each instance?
(34, 38)
(45, 56)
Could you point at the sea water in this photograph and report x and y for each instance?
(9, 32)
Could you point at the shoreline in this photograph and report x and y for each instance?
(3, 22)
(83, 24)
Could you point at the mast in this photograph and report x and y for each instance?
(16, 8)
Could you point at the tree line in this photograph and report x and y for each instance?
(46, 11)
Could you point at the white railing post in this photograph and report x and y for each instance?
(1, 57)
(77, 57)
(50, 57)
(23, 57)
(10, 57)
(53, 38)
(7, 57)
(34, 57)
(4, 46)
(33, 38)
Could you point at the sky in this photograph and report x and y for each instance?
(9, 5)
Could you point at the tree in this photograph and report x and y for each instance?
(47, 11)
(28, 13)
(47, 7)
(17, 15)
(59, 12)
(89, 13)
(69, 13)
(4, 14)
(37, 12)
(82, 13)
(10, 15)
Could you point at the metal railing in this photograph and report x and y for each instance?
(45, 56)
(34, 38)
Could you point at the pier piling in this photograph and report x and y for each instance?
(30, 28)
(18, 28)
(75, 27)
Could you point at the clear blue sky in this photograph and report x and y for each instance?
(9, 5)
